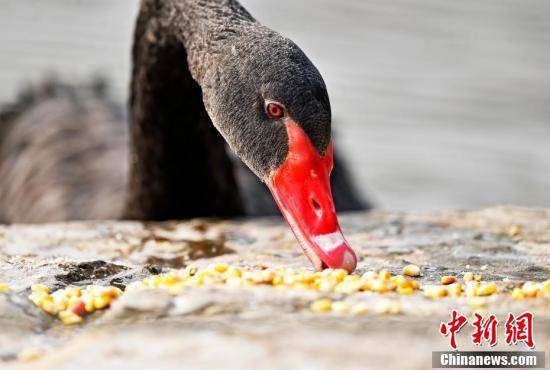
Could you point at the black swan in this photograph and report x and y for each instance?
(201, 68)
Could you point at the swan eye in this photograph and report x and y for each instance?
(274, 110)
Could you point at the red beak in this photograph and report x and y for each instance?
(301, 189)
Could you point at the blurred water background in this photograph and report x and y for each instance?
(437, 103)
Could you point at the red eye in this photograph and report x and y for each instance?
(274, 110)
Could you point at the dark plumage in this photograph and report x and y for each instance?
(201, 69)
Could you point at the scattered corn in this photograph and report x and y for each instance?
(359, 309)
(329, 280)
(531, 289)
(72, 303)
(446, 280)
(471, 288)
(468, 276)
(29, 355)
(455, 290)
(487, 289)
(411, 270)
(435, 291)
(321, 305)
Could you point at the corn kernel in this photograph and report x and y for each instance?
(221, 267)
(339, 274)
(472, 288)
(517, 294)
(29, 355)
(446, 280)
(359, 309)
(384, 275)
(321, 305)
(40, 288)
(4, 288)
(435, 291)
(455, 289)
(487, 289)
(530, 289)
(406, 290)
(411, 270)
(468, 276)
(69, 318)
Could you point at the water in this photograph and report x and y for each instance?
(436, 103)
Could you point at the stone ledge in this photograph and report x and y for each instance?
(236, 328)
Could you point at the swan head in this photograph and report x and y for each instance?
(271, 105)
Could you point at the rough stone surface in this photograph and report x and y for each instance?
(229, 327)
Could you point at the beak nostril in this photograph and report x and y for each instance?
(316, 206)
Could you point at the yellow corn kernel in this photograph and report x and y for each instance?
(411, 270)
(352, 279)
(381, 286)
(340, 307)
(300, 286)
(359, 309)
(472, 288)
(321, 305)
(384, 275)
(49, 306)
(405, 290)
(339, 274)
(446, 280)
(221, 267)
(545, 286)
(89, 304)
(4, 288)
(455, 289)
(233, 272)
(69, 318)
(468, 276)
(434, 291)
(517, 294)
(277, 280)
(415, 284)
(514, 230)
(267, 276)
(29, 355)
(487, 289)
(40, 288)
(530, 289)
(101, 302)
(400, 281)
(73, 291)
